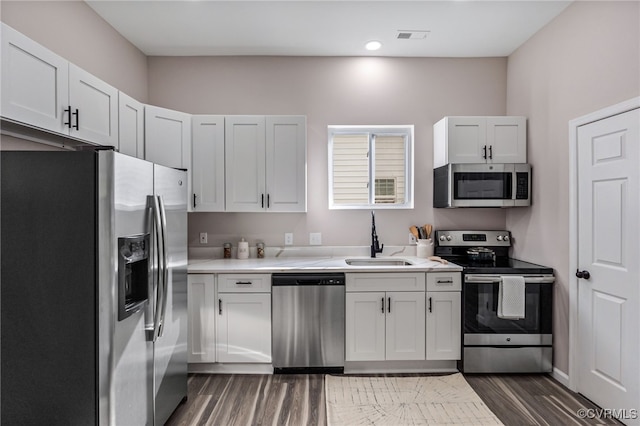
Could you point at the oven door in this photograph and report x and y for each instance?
(496, 345)
(480, 311)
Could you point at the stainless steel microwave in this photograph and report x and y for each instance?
(482, 185)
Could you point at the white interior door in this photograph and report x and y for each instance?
(608, 233)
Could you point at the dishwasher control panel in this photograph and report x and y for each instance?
(307, 279)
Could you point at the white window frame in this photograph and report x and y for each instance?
(388, 130)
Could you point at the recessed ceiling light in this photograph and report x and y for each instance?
(373, 45)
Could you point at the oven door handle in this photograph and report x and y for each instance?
(488, 279)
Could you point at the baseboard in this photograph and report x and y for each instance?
(218, 368)
(561, 377)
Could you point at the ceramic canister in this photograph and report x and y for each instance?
(243, 249)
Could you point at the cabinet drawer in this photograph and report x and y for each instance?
(444, 281)
(248, 283)
(390, 281)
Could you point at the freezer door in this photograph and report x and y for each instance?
(125, 183)
(170, 346)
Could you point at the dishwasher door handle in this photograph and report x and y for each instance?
(308, 282)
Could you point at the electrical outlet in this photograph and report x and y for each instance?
(288, 239)
(204, 238)
(412, 239)
(315, 239)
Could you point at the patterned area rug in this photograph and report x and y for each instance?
(426, 400)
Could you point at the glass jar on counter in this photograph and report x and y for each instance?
(260, 250)
(227, 250)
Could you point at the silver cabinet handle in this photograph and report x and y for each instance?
(244, 282)
(444, 281)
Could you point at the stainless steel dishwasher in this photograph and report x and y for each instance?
(308, 322)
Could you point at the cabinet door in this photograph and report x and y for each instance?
(130, 126)
(286, 159)
(365, 326)
(167, 137)
(94, 106)
(405, 328)
(443, 325)
(244, 144)
(466, 139)
(244, 327)
(207, 163)
(202, 315)
(35, 82)
(507, 139)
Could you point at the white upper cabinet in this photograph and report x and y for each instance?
(131, 126)
(500, 139)
(245, 163)
(35, 82)
(286, 163)
(207, 163)
(41, 89)
(93, 106)
(167, 137)
(265, 163)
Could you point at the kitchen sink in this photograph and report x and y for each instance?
(378, 261)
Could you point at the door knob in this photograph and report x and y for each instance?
(583, 274)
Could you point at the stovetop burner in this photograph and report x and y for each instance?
(453, 246)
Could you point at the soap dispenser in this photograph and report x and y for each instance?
(243, 249)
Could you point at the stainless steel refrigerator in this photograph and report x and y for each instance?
(93, 289)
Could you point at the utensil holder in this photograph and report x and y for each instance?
(425, 248)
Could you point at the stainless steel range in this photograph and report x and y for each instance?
(518, 338)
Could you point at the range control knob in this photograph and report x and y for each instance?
(505, 238)
(442, 238)
(449, 238)
(499, 238)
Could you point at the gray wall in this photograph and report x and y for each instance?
(335, 91)
(586, 59)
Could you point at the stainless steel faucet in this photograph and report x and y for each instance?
(375, 244)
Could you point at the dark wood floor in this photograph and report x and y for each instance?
(294, 400)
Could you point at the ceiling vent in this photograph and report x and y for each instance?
(412, 35)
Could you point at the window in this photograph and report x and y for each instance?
(370, 166)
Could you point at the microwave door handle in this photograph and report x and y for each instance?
(514, 185)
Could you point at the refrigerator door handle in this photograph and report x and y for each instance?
(153, 329)
(165, 264)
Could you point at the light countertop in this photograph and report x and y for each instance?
(312, 264)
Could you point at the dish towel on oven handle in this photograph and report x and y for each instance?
(511, 302)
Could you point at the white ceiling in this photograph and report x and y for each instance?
(473, 28)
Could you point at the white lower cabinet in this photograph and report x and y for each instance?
(444, 316)
(385, 325)
(243, 321)
(201, 305)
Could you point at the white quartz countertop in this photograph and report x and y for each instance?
(313, 264)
